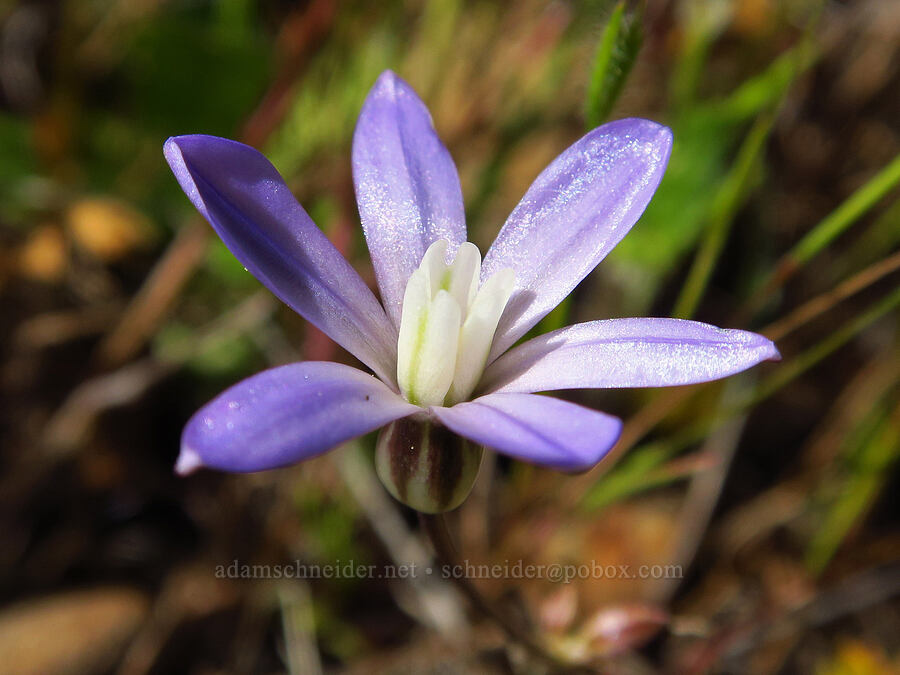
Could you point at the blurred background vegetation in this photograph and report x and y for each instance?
(775, 491)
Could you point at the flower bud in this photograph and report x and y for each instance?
(425, 465)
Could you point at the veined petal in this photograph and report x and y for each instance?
(627, 353)
(287, 414)
(407, 186)
(250, 207)
(536, 429)
(572, 216)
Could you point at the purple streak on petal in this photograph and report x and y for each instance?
(627, 353)
(248, 204)
(287, 414)
(407, 187)
(536, 429)
(572, 216)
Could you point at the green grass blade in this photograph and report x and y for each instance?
(706, 134)
(630, 476)
(615, 56)
(871, 453)
(879, 239)
(700, 24)
(837, 222)
(847, 213)
(762, 91)
(728, 200)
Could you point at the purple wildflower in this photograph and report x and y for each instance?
(441, 342)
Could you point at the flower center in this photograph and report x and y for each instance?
(447, 325)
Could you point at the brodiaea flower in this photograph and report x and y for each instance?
(448, 381)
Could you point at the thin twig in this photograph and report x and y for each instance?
(822, 303)
(56, 328)
(154, 299)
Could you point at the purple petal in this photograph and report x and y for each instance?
(536, 429)
(627, 353)
(572, 216)
(248, 204)
(407, 187)
(284, 415)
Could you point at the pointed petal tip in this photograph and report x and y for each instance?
(772, 353)
(188, 462)
(767, 349)
(176, 146)
(179, 150)
(172, 151)
(387, 84)
(392, 87)
(666, 138)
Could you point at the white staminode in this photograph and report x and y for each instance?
(447, 325)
